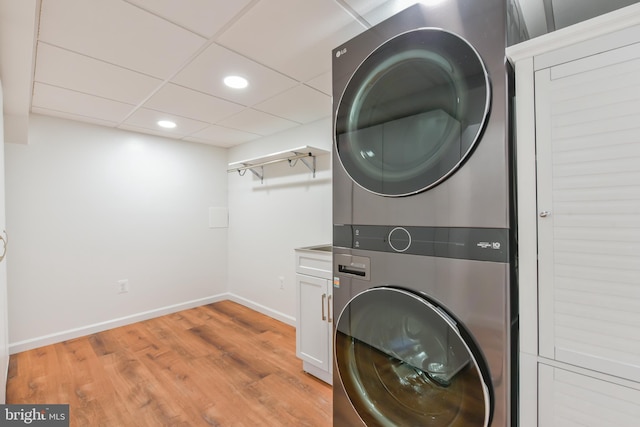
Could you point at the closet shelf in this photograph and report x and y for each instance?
(306, 155)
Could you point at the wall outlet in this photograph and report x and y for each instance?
(123, 286)
(281, 279)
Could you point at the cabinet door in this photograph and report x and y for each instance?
(588, 169)
(313, 327)
(569, 399)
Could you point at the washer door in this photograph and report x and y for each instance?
(412, 112)
(404, 361)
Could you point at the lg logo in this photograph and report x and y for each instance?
(341, 52)
(489, 245)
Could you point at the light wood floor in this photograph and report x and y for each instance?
(217, 365)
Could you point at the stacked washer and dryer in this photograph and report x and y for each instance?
(424, 290)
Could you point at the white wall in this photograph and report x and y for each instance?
(4, 328)
(88, 206)
(268, 221)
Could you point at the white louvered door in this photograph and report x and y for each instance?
(570, 399)
(588, 197)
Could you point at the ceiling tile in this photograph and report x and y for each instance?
(323, 83)
(76, 117)
(157, 132)
(145, 118)
(376, 11)
(186, 102)
(119, 33)
(208, 70)
(257, 122)
(204, 17)
(80, 104)
(59, 67)
(301, 46)
(221, 136)
(301, 104)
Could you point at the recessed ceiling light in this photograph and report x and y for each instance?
(236, 82)
(168, 124)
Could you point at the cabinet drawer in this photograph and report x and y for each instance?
(314, 263)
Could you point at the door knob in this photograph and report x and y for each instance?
(544, 214)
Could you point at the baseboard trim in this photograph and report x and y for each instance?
(57, 337)
(285, 318)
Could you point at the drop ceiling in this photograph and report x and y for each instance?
(129, 63)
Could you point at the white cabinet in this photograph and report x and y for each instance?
(578, 181)
(314, 343)
(588, 147)
(570, 398)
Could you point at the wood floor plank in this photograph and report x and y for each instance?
(217, 365)
(282, 406)
(179, 340)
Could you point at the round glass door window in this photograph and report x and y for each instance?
(412, 112)
(404, 362)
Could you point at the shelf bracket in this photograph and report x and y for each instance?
(254, 170)
(311, 167)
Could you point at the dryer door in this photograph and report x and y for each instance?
(403, 360)
(412, 112)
